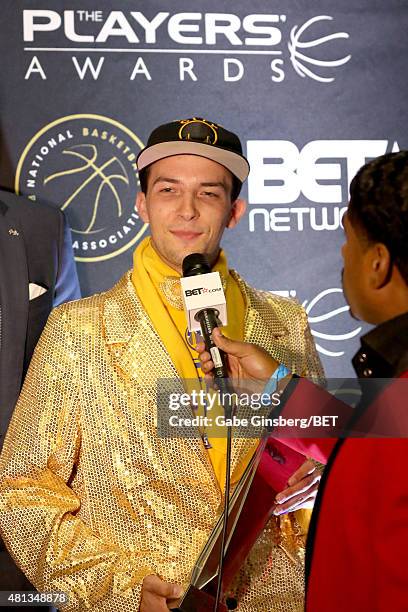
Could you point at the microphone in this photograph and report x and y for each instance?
(203, 302)
(207, 316)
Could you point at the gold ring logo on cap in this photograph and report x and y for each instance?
(198, 130)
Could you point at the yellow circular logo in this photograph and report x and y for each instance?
(198, 130)
(86, 165)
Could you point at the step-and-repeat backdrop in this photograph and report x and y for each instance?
(313, 88)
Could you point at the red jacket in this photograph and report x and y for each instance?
(358, 558)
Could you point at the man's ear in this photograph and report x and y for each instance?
(380, 266)
(237, 210)
(141, 207)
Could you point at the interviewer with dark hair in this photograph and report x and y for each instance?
(358, 537)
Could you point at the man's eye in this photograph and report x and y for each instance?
(210, 194)
(167, 189)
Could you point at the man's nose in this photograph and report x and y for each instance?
(188, 208)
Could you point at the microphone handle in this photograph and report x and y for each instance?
(208, 319)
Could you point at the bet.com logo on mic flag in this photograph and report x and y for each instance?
(203, 291)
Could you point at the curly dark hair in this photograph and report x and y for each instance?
(379, 205)
(144, 175)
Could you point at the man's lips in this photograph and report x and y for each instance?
(186, 234)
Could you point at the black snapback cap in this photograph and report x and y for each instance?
(195, 136)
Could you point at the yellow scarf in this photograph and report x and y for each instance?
(149, 271)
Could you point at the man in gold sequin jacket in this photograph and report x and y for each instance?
(92, 502)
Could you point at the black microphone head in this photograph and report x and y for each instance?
(194, 264)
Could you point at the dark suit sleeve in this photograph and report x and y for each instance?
(67, 284)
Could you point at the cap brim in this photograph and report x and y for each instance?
(235, 163)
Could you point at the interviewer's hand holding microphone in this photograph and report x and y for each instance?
(252, 363)
(245, 361)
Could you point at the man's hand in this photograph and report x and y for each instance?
(159, 596)
(245, 361)
(302, 489)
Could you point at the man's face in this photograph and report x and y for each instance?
(356, 270)
(188, 206)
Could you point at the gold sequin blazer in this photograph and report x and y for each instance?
(91, 500)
